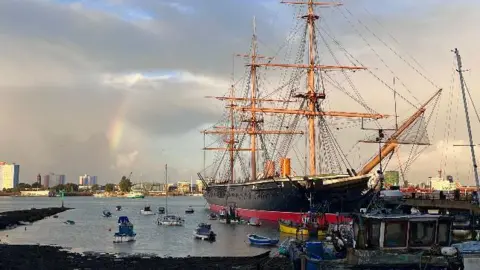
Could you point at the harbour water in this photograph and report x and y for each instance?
(91, 229)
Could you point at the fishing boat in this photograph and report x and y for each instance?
(310, 225)
(204, 232)
(146, 211)
(262, 240)
(254, 222)
(161, 210)
(169, 219)
(135, 195)
(125, 231)
(106, 213)
(119, 207)
(212, 216)
(189, 210)
(262, 185)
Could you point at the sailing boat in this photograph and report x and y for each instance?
(169, 219)
(272, 194)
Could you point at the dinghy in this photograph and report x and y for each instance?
(161, 210)
(212, 216)
(119, 207)
(106, 213)
(189, 210)
(254, 222)
(261, 240)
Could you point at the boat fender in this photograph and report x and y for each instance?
(449, 251)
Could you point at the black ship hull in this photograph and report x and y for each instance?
(288, 198)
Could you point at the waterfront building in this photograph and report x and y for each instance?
(9, 175)
(87, 180)
(46, 181)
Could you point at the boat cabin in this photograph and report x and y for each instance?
(396, 232)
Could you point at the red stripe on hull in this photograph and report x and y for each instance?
(276, 215)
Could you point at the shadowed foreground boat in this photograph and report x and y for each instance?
(50, 257)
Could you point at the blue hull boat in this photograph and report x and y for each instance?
(261, 240)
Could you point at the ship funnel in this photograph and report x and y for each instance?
(285, 167)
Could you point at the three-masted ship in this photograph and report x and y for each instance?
(274, 192)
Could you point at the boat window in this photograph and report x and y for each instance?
(422, 234)
(395, 234)
(444, 233)
(374, 234)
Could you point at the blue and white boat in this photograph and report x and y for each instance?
(125, 231)
(262, 240)
(204, 232)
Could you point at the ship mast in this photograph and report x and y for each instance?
(311, 95)
(469, 127)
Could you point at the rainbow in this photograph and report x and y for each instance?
(116, 129)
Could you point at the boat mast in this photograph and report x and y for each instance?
(253, 118)
(166, 190)
(469, 127)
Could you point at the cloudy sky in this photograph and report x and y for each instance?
(106, 87)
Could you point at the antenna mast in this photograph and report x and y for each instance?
(469, 127)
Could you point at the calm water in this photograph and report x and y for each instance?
(90, 233)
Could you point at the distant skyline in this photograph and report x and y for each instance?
(111, 87)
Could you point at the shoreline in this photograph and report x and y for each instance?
(55, 257)
(15, 218)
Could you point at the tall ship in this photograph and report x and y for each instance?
(252, 168)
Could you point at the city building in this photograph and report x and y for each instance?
(87, 180)
(60, 179)
(437, 183)
(46, 180)
(9, 175)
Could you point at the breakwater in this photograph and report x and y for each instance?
(52, 257)
(14, 218)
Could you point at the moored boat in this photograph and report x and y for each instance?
(189, 210)
(170, 220)
(267, 188)
(69, 222)
(262, 240)
(204, 232)
(125, 231)
(161, 210)
(212, 216)
(146, 211)
(254, 222)
(118, 207)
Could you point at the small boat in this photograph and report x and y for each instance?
(119, 207)
(161, 210)
(69, 222)
(146, 211)
(189, 210)
(106, 213)
(262, 240)
(204, 232)
(125, 231)
(289, 227)
(170, 220)
(254, 222)
(212, 216)
(55, 216)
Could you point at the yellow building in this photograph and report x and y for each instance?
(183, 187)
(9, 175)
